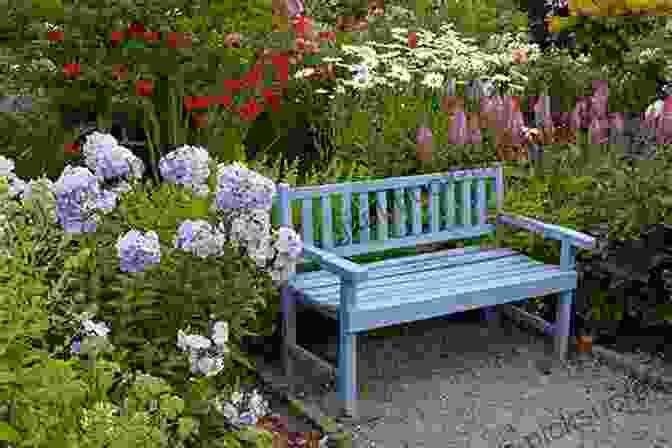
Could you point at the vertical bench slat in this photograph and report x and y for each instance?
(327, 227)
(434, 208)
(466, 202)
(364, 223)
(285, 215)
(381, 215)
(417, 210)
(347, 218)
(307, 220)
(399, 208)
(482, 202)
(449, 204)
(499, 187)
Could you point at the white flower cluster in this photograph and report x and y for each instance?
(200, 238)
(108, 160)
(243, 408)
(206, 354)
(447, 53)
(189, 166)
(250, 229)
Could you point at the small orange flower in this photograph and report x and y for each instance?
(120, 72)
(179, 40)
(519, 56)
(232, 40)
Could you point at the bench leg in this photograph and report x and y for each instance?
(347, 371)
(288, 328)
(562, 322)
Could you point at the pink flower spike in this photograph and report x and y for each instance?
(664, 129)
(474, 136)
(457, 133)
(601, 87)
(599, 131)
(667, 105)
(579, 117)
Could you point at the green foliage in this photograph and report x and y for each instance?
(607, 39)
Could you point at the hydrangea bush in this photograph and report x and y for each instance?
(147, 297)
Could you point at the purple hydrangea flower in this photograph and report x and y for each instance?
(247, 418)
(289, 242)
(110, 163)
(188, 166)
(76, 192)
(241, 188)
(75, 344)
(185, 235)
(137, 251)
(106, 200)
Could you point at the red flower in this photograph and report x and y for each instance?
(224, 100)
(412, 39)
(179, 40)
(302, 26)
(135, 29)
(271, 99)
(281, 64)
(151, 36)
(196, 102)
(71, 148)
(327, 35)
(144, 87)
(117, 37)
(233, 84)
(55, 36)
(250, 110)
(254, 76)
(71, 71)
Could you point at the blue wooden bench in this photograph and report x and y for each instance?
(412, 288)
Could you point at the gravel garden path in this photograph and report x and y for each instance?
(463, 383)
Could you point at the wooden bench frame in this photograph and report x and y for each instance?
(331, 257)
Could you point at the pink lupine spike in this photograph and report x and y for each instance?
(599, 131)
(601, 87)
(664, 128)
(424, 143)
(599, 105)
(667, 104)
(474, 136)
(579, 117)
(457, 133)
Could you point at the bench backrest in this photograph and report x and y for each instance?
(364, 217)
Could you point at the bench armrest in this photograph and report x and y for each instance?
(575, 238)
(337, 265)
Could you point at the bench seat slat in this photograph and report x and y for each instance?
(432, 280)
(398, 266)
(441, 303)
(414, 290)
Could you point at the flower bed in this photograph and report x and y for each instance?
(101, 276)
